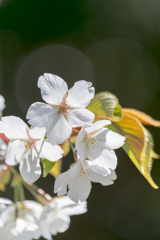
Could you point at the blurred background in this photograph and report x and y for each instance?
(116, 46)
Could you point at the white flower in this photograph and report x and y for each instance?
(65, 108)
(2, 103)
(79, 180)
(27, 146)
(56, 215)
(3, 203)
(20, 221)
(97, 143)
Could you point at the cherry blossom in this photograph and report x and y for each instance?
(3, 204)
(79, 180)
(29, 220)
(27, 146)
(56, 215)
(65, 108)
(20, 221)
(96, 143)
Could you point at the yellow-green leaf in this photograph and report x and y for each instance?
(142, 117)
(56, 170)
(106, 105)
(138, 144)
(47, 166)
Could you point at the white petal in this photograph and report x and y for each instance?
(81, 150)
(45, 229)
(80, 94)
(5, 201)
(97, 126)
(94, 152)
(8, 214)
(79, 116)
(59, 130)
(13, 127)
(104, 180)
(29, 167)
(81, 134)
(40, 114)
(2, 103)
(107, 159)
(75, 209)
(79, 188)
(53, 88)
(61, 182)
(35, 208)
(68, 207)
(113, 140)
(37, 133)
(15, 152)
(74, 171)
(51, 152)
(112, 175)
(26, 230)
(96, 168)
(60, 223)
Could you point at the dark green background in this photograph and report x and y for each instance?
(115, 45)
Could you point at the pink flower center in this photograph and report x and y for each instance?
(29, 143)
(63, 108)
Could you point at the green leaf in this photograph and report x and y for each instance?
(47, 166)
(15, 181)
(106, 105)
(56, 170)
(138, 144)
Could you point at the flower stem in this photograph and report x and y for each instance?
(19, 195)
(73, 150)
(16, 197)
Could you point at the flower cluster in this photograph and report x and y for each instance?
(53, 123)
(30, 220)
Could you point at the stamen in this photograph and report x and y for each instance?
(29, 143)
(91, 142)
(82, 172)
(63, 108)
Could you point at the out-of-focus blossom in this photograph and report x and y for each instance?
(65, 108)
(29, 220)
(20, 221)
(56, 215)
(3, 203)
(79, 180)
(96, 143)
(27, 146)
